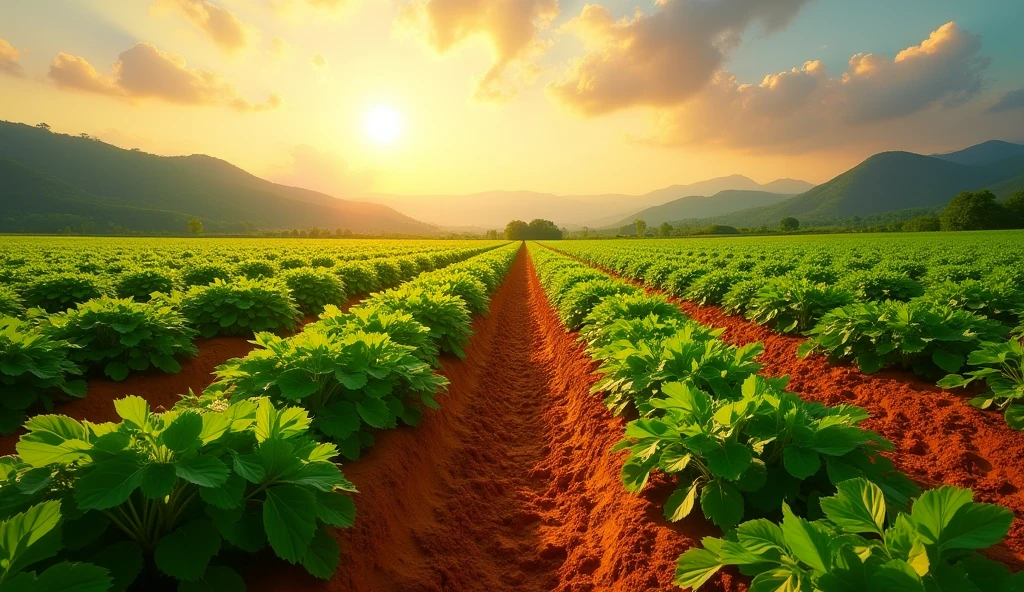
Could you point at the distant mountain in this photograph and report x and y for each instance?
(697, 206)
(883, 183)
(986, 153)
(494, 209)
(221, 194)
(1004, 188)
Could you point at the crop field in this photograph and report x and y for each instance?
(834, 413)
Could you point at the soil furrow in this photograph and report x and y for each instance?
(510, 487)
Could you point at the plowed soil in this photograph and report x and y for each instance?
(510, 486)
(939, 437)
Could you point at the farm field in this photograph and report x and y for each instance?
(832, 413)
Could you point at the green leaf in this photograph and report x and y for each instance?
(1015, 416)
(896, 576)
(809, 542)
(205, 471)
(695, 567)
(335, 509)
(935, 508)
(183, 433)
(373, 411)
(857, 507)
(123, 560)
(947, 361)
(249, 467)
(635, 475)
(108, 484)
(134, 410)
(976, 526)
(22, 536)
(117, 371)
(228, 495)
(69, 577)
(321, 558)
(681, 502)
(158, 480)
(290, 520)
(185, 553)
(780, 579)
(761, 537)
(216, 578)
(296, 384)
(800, 462)
(722, 503)
(729, 461)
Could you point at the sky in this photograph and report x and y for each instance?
(354, 97)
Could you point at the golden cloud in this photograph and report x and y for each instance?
(9, 60)
(220, 24)
(511, 27)
(146, 72)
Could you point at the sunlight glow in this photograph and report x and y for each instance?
(383, 125)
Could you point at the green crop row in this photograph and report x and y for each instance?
(801, 490)
(170, 497)
(945, 310)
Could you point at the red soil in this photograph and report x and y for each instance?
(159, 389)
(510, 486)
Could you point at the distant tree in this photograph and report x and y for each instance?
(665, 230)
(195, 226)
(641, 227)
(1014, 205)
(516, 230)
(923, 224)
(136, 150)
(586, 232)
(719, 229)
(43, 126)
(492, 235)
(789, 224)
(314, 232)
(976, 210)
(84, 136)
(626, 230)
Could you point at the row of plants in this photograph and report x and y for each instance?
(944, 318)
(47, 354)
(801, 491)
(184, 496)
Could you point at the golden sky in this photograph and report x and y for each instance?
(547, 95)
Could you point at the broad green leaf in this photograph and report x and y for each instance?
(722, 503)
(158, 480)
(695, 567)
(108, 484)
(681, 502)
(66, 577)
(55, 429)
(296, 384)
(335, 509)
(373, 411)
(935, 508)
(290, 520)
(635, 475)
(800, 462)
(321, 475)
(896, 576)
(857, 507)
(780, 579)
(1015, 416)
(134, 410)
(227, 495)
(808, 541)
(729, 461)
(761, 536)
(249, 467)
(976, 526)
(205, 471)
(20, 536)
(185, 553)
(949, 362)
(321, 558)
(183, 433)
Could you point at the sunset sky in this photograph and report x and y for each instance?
(458, 96)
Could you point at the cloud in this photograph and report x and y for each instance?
(1014, 99)
(807, 107)
(146, 72)
(278, 46)
(511, 27)
(319, 61)
(220, 24)
(9, 60)
(659, 59)
(325, 171)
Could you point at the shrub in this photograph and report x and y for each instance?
(161, 494)
(400, 326)
(349, 383)
(793, 304)
(461, 284)
(579, 300)
(123, 335)
(1001, 367)
(741, 294)
(140, 284)
(60, 291)
(358, 277)
(204, 274)
(881, 285)
(629, 306)
(33, 368)
(254, 269)
(712, 287)
(678, 282)
(388, 273)
(314, 288)
(998, 300)
(445, 315)
(242, 307)
(323, 261)
(291, 263)
(10, 302)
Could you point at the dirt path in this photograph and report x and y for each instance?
(510, 487)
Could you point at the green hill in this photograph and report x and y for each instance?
(883, 183)
(196, 185)
(986, 153)
(698, 206)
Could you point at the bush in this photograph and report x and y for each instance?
(401, 327)
(445, 315)
(142, 283)
(156, 497)
(33, 368)
(741, 294)
(291, 263)
(1001, 366)
(462, 284)
(10, 302)
(678, 282)
(974, 211)
(349, 383)
(358, 277)
(388, 273)
(998, 300)
(794, 304)
(60, 291)
(255, 269)
(242, 307)
(323, 261)
(712, 287)
(923, 224)
(204, 274)
(881, 285)
(314, 288)
(579, 300)
(123, 335)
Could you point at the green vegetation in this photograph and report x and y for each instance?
(536, 230)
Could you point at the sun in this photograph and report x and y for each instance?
(383, 125)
